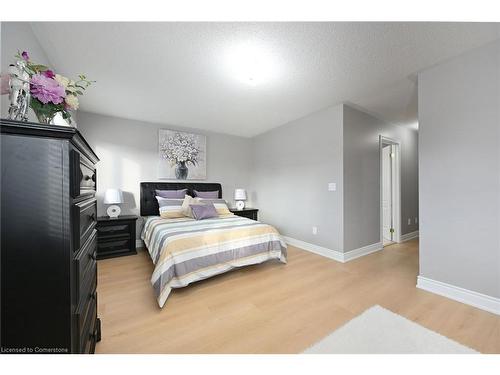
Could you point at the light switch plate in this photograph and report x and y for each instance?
(332, 186)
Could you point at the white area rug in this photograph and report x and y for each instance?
(380, 331)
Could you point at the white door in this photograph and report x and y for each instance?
(387, 193)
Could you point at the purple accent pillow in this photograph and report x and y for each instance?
(207, 194)
(203, 211)
(172, 194)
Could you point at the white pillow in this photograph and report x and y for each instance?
(186, 210)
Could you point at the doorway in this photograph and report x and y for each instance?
(389, 191)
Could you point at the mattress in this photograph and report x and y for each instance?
(185, 250)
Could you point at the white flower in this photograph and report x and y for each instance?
(71, 86)
(63, 81)
(72, 102)
(181, 147)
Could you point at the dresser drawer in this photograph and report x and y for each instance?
(115, 246)
(112, 230)
(83, 175)
(89, 347)
(84, 221)
(86, 255)
(85, 323)
(85, 269)
(88, 287)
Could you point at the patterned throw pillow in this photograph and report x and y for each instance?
(170, 208)
(172, 194)
(220, 205)
(207, 194)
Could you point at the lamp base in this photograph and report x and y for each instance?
(240, 205)
(114, 211)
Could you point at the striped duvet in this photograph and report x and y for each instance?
(185, 250)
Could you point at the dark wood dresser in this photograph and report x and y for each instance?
(116, 236)
(48, 240)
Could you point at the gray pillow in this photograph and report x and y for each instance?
(207, 194)
(172, 194)
(203, 211)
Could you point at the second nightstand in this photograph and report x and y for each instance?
(250, 213)
(115, 236)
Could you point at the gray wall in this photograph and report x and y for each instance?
(459, 117)
(293, 165)
(362, 177)
(129, 154)
(18, 36)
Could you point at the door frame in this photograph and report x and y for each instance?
(396, 188)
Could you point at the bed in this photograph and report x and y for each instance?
(185, 250)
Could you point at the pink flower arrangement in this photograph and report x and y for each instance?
(52, 93)
(46, 89)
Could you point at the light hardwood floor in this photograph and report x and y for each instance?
(275, 308)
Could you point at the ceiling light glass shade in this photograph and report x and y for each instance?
(240, 195)
(113, 196)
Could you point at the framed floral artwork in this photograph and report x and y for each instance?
(182, 155)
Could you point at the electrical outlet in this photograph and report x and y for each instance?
(416, 220)
(332, 186)
(315, 230)
(409, 221)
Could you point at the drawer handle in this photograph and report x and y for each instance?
(87, 177)
(92, 216)
(93, 256)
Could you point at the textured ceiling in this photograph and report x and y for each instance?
(179, 74)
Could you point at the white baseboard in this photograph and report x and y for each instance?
(469, 297)
(328, 253)
(365, 250)
(408, 236)
(334, 254)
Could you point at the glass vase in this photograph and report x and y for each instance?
(44, 118)
(181, 170)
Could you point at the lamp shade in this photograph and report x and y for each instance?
(113, 196)
(240, 195)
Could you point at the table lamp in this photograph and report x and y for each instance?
(113, 197)
(240, 196)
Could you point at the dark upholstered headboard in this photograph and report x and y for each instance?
(149, 204)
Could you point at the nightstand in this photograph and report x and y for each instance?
(115, 236)
(250, 213)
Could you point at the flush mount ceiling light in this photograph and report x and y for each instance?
(251, 63)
